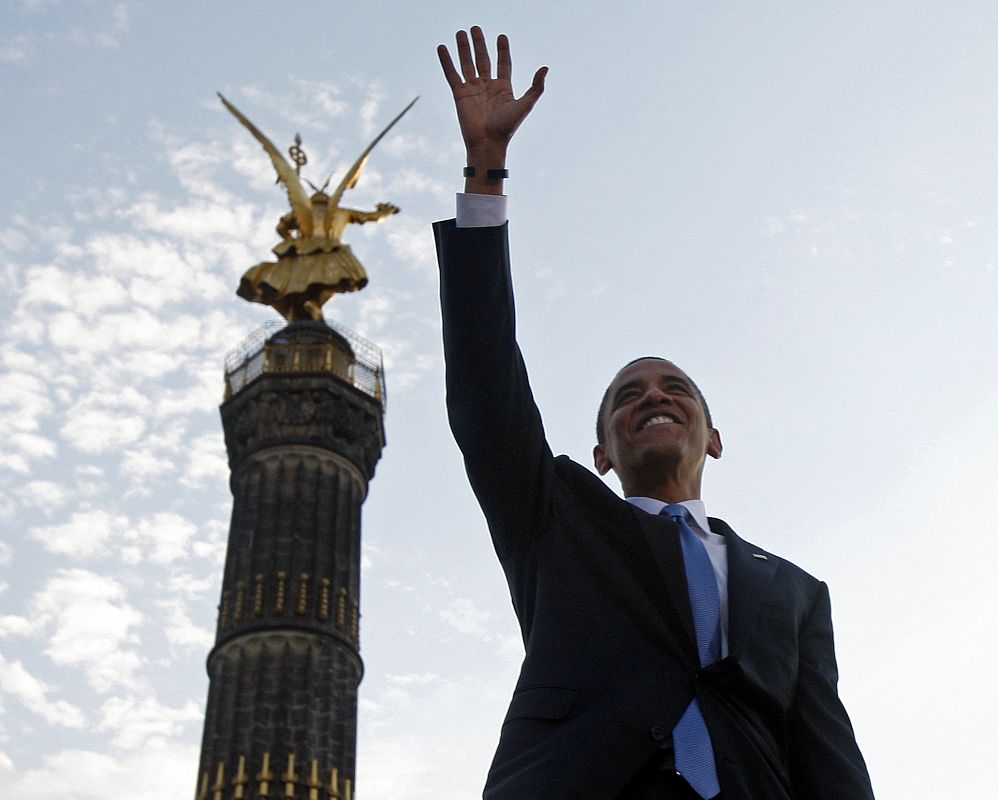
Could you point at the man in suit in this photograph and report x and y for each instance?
(665, 656)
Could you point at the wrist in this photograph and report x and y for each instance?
(482, 161)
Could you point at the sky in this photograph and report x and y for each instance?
(796, 202)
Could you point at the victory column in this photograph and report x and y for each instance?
(303, 419)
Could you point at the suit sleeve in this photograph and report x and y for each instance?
(489, 403)
(825, 761)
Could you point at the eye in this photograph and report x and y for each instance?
(626, 395)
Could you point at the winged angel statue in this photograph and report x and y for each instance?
(312, 264)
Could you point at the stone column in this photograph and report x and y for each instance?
(303, 438)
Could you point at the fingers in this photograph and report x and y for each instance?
(464, 56)
(473, 56)
(536, 88)
(453, 79)
(482, 59)
(504, 67)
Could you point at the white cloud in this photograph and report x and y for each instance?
(23, 402)
(194, 164)
(202, 222)
(133, 721)
(7, 505)
(22, 49)
(12, 238)
(408, 679)
(86, 535)
(99, 430)
(6, 554)
(109, 35)
(408, 180)
(139, 465)
(320, 99)
(164, 537)
(212, 548)
(369, 554)
(16, 682)
(207, 460)
(13, 625)
(371, 107)
(406, 367)
(201, 392)
(86, 293)
(160, 538)
(184, 584)
(15, 463)
(160, 770)
(33, 446)
(376, 309)
(180, 631)
(17, 50)
(511, 647)
(89, 624)
(407, 762)
(46, 495)
(411, 240)
(466, 617)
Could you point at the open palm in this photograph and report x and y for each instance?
(487, 110)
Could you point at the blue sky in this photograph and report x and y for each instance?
(795, 203)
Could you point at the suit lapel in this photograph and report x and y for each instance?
(748, 579)
(661, 537)
(647, 547)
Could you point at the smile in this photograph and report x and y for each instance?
(659, 420)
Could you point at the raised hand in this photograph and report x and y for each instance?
(487, 110)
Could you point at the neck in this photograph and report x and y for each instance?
(666, 491)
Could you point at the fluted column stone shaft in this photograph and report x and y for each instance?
(284, 671)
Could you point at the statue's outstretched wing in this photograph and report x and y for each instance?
(353, 174)
(300, 204)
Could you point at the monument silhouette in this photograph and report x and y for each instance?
(303, 417)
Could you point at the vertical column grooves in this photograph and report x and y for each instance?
(283, 682)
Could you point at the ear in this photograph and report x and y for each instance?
(714, 446)
(601, 460)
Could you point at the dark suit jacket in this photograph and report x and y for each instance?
(600, 592)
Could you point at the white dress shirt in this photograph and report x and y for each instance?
(480, 210)
(714, 543)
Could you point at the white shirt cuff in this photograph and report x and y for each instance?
(480, 210)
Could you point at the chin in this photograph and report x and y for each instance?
(656, 464)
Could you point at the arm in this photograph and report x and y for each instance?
(491, 409)
(380, 212)
(825, 761)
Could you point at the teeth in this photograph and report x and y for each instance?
(658, 421)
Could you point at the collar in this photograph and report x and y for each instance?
(696, 508)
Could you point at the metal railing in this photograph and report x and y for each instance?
(253, 357)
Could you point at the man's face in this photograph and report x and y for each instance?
(655, 428)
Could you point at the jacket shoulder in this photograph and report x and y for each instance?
(787, 568)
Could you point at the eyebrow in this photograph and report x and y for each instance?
(668, 380)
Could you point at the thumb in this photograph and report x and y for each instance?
(532, 95)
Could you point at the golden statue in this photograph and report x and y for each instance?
(312, 264)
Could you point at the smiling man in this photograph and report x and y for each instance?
(654, 430)
(665, 657)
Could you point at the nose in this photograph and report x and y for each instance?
(654, 396)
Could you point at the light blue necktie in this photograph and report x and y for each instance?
(694, 753)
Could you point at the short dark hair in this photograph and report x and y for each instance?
(601, 427)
